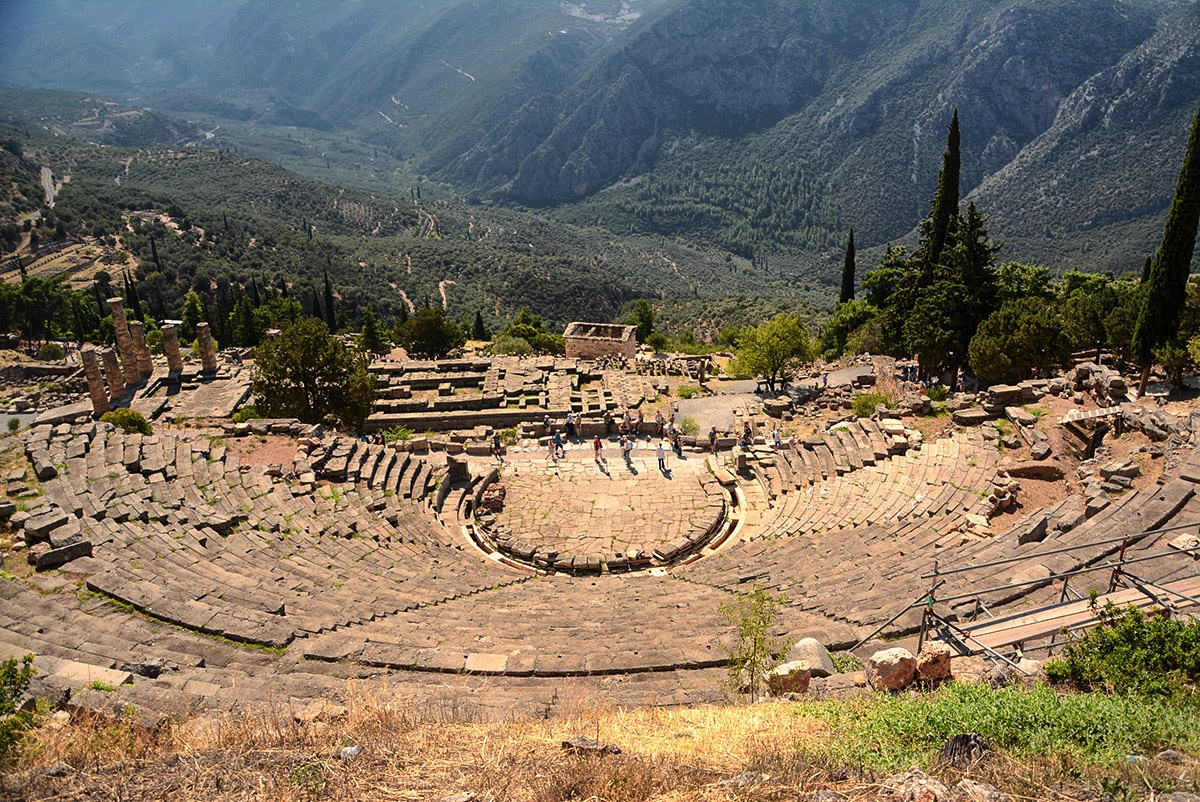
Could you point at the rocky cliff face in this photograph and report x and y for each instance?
(865, 88)
(1097, 181)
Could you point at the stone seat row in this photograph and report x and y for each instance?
(950, 475)
(244, 530)
(867, 574)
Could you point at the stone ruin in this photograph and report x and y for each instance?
(594, 340)
(405, 561)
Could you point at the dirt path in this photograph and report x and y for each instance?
(48, 186)
(404, 297)
(442, 290)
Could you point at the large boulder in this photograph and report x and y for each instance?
(810, 650)
(791, 677)
(933, 663)
(891, 669)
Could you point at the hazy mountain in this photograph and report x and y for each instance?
(761, 127)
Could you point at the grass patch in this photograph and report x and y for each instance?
(888, 733)
(686, 391)
(864, 404)
(688, 426)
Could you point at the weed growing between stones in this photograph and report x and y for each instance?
(756, 651)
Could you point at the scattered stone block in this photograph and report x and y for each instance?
(891, 669)
(1019, 416)
(55, 558)
(971, 417)
(915, 785)
(933, 663)
(810, 651)
(40, 526)
(791, 677)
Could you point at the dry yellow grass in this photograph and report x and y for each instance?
(410, 753)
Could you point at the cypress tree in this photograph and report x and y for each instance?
(848, 272)
(132, 299)
(330, 318)
(1158, 321)
(478, 330)
(255, 298)
(283, 290)
(1146, 269)
(154, 253)
(945, 202)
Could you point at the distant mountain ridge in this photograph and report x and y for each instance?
(688, 118)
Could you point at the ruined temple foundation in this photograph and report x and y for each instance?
(596, 340)
(137, 331)
(124, 341)
(208, 357)
(171, 347)
(112, 371)
(95, 380)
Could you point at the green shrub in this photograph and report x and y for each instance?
(14, 681)
(50, 351)
(938, 392)
(507, 345)
(249, 412)
(1129, 652)
(14, 424)
(846, 662)
(397, 433)
(864, 404)
(687, 391)
(128, 420)
(510, 436)
(657, 341)
(688, 426)
(886, 733)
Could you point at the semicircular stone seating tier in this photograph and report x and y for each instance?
(181, 530)
(339, 555)
(571, 517)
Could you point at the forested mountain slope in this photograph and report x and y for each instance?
(762, 128)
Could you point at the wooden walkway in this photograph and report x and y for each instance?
(1027, 627)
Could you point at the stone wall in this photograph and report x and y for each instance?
(596, 340)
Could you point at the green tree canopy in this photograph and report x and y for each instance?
(371, 340)
(429, 334)
(1019, 338)
(643, 318)
(1158, 321)
(774, 350)
(307, 373)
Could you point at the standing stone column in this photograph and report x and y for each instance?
(171, 346)
(137, 330)
(112, 372)
(208, 357)
(95, 380)
(124, 341)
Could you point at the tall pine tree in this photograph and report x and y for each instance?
(1166, 294)
(848, 272)
(945, 202)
